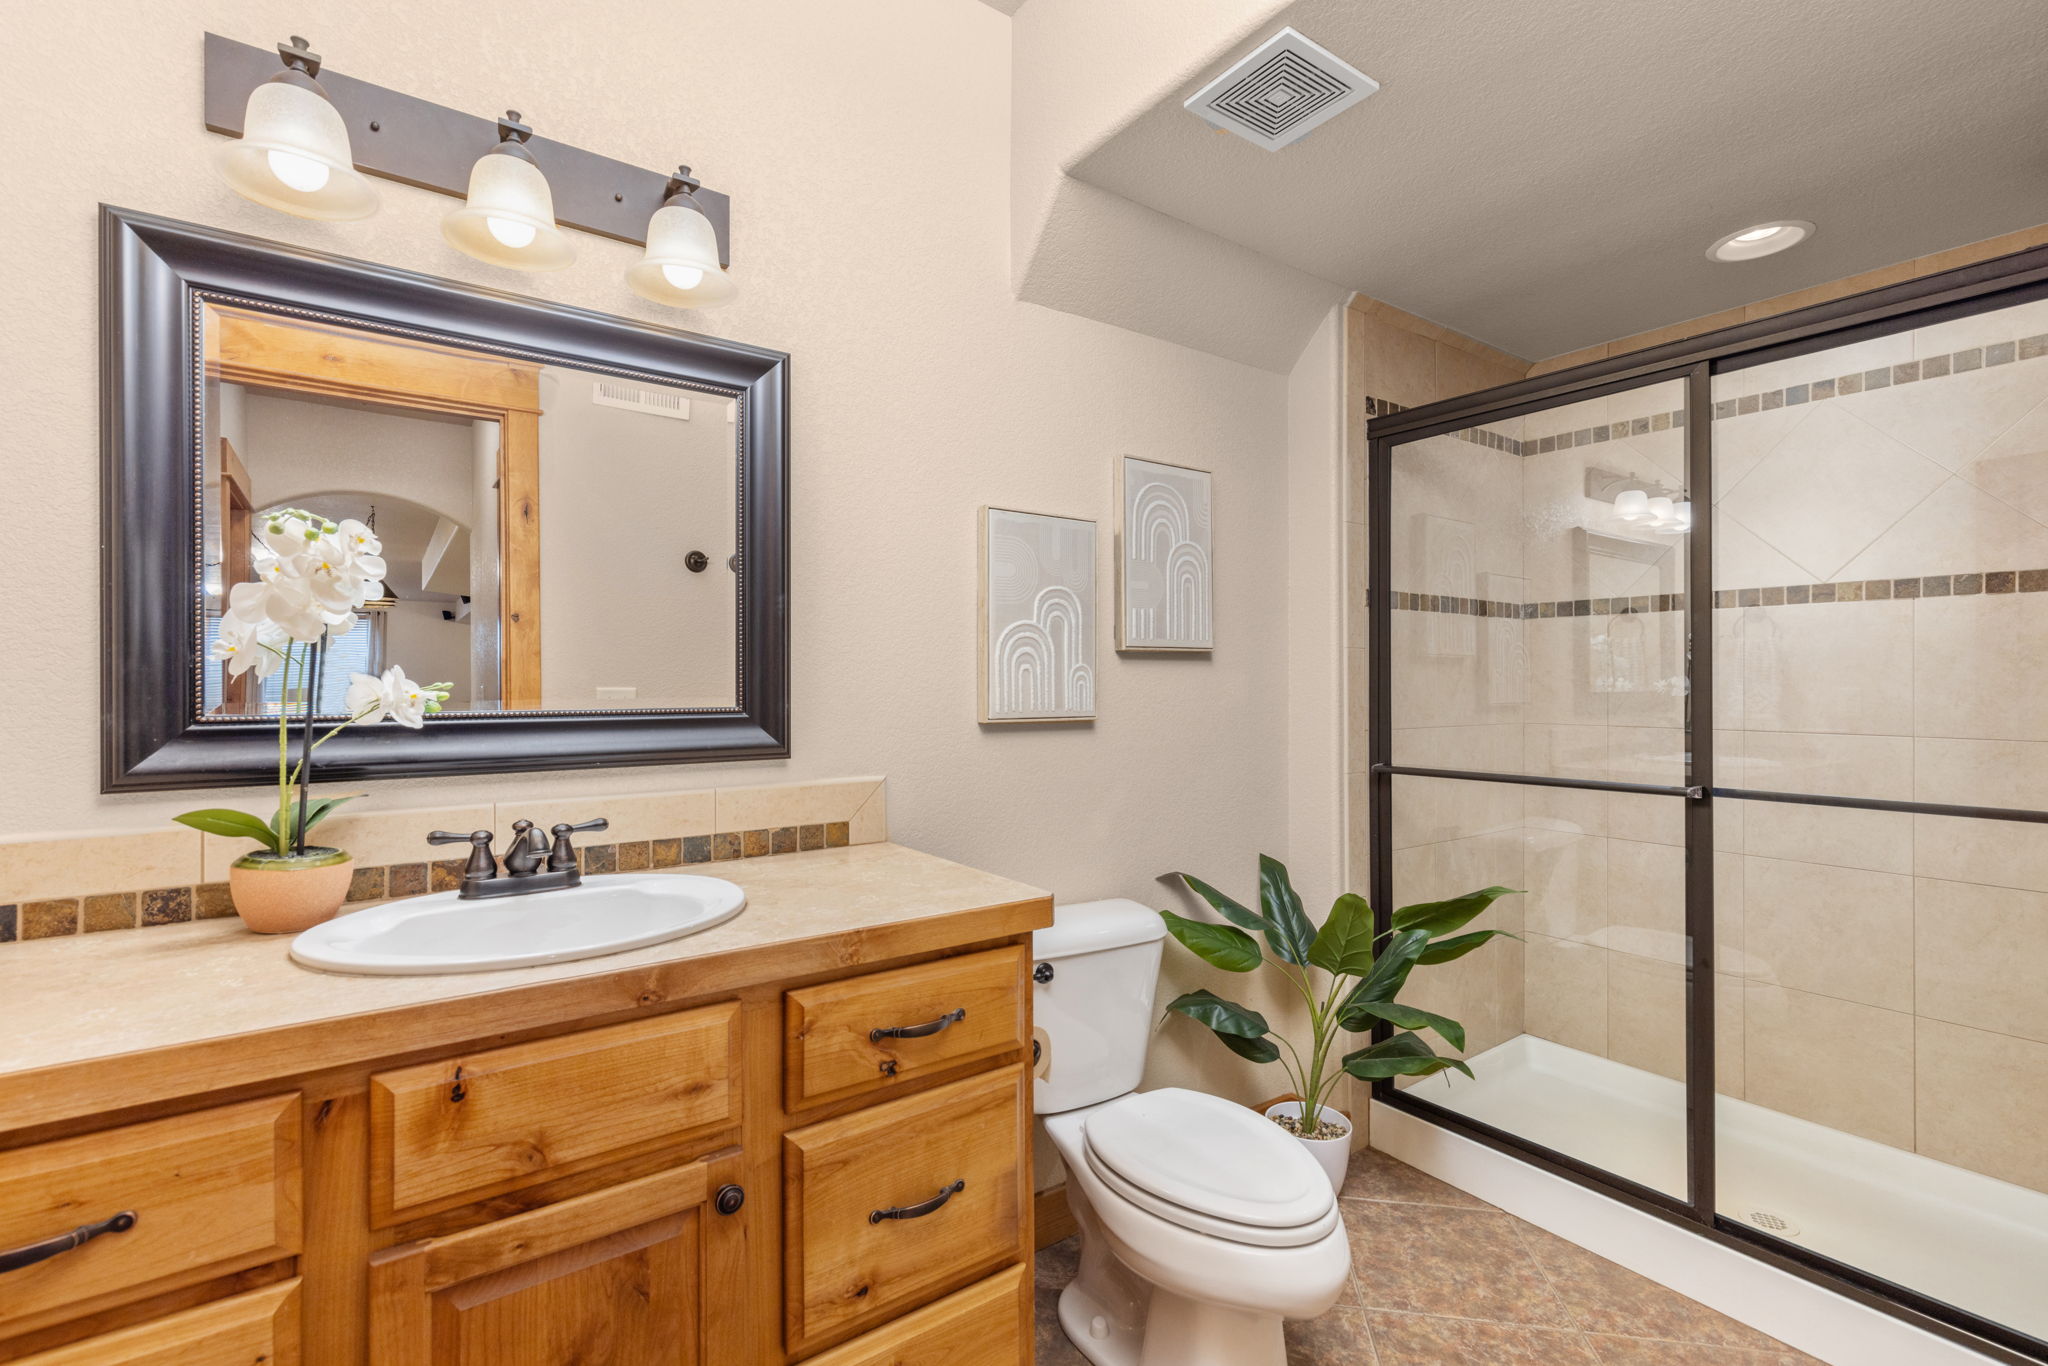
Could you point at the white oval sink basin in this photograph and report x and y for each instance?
(609, 913)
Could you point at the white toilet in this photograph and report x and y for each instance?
(1203, 1224)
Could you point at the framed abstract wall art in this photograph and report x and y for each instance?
(1164, 593)
(1038, 651)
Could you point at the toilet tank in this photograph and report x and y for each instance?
(1095, 970)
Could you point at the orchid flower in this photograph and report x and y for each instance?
(311, 578)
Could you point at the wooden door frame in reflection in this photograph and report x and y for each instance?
(260, 352)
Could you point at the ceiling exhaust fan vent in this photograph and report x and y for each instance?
(1281, 92)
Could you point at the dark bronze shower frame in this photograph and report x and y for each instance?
(1988, 285)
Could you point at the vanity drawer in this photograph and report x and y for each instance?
(260, 1328)
(982, 1325)
(973, 1007)
(212, 1192)
(445, 1133)
(867, 1234)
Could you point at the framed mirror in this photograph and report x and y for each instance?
(583, 518)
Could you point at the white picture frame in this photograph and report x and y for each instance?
(1038, 617)
(1165, 579)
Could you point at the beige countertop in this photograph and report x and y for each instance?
(235, 1003)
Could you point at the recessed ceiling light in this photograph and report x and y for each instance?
(1761, 240)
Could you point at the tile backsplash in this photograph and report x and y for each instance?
(53, 887)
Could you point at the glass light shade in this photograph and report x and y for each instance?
(681, 265)
(1631, 505)
(1661, 512)
(1681, 517)
(293, 154)
(509, 217)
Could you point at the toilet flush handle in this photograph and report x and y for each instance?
(1042, 973)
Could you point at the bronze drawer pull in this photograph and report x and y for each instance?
(923, 1031)
(918, 1211)
(14, 1259)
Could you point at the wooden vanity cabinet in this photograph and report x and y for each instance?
(658, 1180)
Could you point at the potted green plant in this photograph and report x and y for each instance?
(312, 577)
(1362, 970)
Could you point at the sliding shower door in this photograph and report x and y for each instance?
(1536, 736)
(1737, 663)
(1881, 575)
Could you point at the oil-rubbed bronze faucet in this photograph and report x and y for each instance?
(523, 861)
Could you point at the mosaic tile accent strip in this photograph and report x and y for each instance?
(1791, 396)
(1973, 583)
(91, 914)
(1885, 376)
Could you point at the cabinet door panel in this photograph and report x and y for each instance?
(982, 1325)
(260, 1328)
(617, 1276)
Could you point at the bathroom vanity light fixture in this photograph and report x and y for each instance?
(681, 266)
(508, 216)
(293, 154)
(1765, 239)
(400, 137)
(1638, 503)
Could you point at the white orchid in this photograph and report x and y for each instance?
(395, 696)
(249, 645)
(311, 578)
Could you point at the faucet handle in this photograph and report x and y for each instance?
(482, 864)
(562, 858)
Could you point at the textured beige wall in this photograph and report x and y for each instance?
(867, 148)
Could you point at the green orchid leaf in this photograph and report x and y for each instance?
(1288, 928)
(1344, 945)
(1389, 974)
(1441, 917)
(1445, 950)
(234, 824)
(1409, 1017)
(1251, 1050)
(1220, 946)
(1225, 1017)
(1239, 915)
(319, 811)
(1404, 1055)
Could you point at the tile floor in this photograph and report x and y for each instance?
(1441, 1278)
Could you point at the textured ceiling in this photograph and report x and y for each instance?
(1547, 174)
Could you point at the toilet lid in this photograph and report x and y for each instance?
(1207, 1155)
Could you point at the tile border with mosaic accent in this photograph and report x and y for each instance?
(1815, 390)
(1991, 582)
(52, 917)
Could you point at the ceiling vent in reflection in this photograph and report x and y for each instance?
(610, 393)
(1281, 92)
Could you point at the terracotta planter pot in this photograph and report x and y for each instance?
(286, 893)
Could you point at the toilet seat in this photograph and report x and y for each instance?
(1210, 1166)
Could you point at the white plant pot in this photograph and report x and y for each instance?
(1333, 1153)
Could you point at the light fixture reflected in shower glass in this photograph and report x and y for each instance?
(1632, 505)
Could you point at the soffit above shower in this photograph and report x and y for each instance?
(1546, 175)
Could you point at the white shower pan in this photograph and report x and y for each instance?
(1973, 1241)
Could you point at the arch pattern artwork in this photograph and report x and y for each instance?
(1038, 612)
(1164, 593)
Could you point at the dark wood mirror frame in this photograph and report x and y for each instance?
(153, 274)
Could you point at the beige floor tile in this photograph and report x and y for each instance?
(1837, 1063)
(1429, 1259)
(1609, 1298)
(1338, 1338)
(1422, 1340)
(1375, 1176)
(1983, 1102)
(1624, 1351)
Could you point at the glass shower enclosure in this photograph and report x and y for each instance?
(1734, 655)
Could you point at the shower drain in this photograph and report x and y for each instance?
(1774, 1223)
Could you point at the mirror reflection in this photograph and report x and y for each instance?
(556, 538)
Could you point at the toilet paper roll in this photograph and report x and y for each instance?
(1041, 1051)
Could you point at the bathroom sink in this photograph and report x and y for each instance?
(609, 913)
